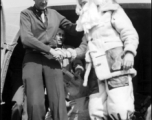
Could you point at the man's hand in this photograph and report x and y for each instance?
(65, 53)
(128, 61)
(56, 54)
(73, 53)
(61, 51)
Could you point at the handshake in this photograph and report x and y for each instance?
(59, 54)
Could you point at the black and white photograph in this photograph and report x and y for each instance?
(75, 60)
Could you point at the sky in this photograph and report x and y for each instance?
(21, 3)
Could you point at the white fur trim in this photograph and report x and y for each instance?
(130, 48)
(131, 71)
(89, 66)
(79, 66)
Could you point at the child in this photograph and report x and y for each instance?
(76, 100)
(110, 43)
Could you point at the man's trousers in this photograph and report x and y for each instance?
(38, 71)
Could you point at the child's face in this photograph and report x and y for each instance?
(60, 37)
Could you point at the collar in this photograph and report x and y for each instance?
(38, 11)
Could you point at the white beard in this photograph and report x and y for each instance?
(89, 17)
